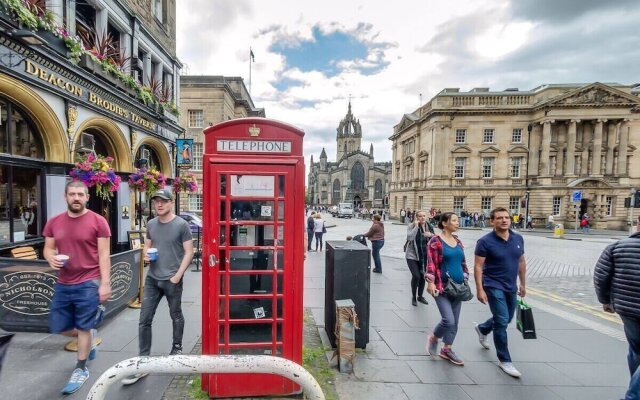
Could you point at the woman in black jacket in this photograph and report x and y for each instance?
(418, 234)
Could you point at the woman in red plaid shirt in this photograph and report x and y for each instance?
(445, 260)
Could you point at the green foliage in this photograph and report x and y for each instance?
(195, 391)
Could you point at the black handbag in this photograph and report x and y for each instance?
(457, 291)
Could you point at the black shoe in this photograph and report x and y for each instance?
(422, 300)
(414, 302)
(176, 350)
(377, 271)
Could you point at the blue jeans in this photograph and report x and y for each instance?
(632, 331)
(376, 245)
(503, 306)
(450, 313)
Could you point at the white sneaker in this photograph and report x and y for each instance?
(131, 379)
(509, 369)
(482, 338)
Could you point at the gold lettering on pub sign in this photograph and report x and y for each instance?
(76, 90)
(54, 80)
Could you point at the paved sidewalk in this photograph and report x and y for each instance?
(568, 361)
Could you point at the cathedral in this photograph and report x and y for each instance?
(354, 177)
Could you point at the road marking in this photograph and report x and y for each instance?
(591, 310)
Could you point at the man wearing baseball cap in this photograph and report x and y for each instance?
(170, 237)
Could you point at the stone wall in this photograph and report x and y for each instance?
(163, 31)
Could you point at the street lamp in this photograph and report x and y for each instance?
(142, 163)
(526, 181)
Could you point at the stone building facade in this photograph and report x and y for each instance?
(205, 101)
(478, 150)
(354, 176)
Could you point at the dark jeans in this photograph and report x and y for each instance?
(153, 291)
(632, 331)
(376, 245)
(319, 240)
(503, 306)
(309, 238)
(450, 313)
(417, 278)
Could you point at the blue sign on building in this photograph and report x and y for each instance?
(576, 196)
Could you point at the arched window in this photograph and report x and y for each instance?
(335, 197)
(378, 189)
(357, 176)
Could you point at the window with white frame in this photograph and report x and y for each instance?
(487, 167)
(557, 204)
(516, 135)
(609, 206)
(514, 204)
(488, 136)
(196, 119)
(461, 136)
(195, 202)
(160, 10)
(516, 165)
(408, 147)
(458, 204)
(196, 156)
(486, 204)
(459, 167)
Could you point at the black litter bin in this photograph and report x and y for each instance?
(347, 276)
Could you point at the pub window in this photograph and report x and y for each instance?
(196, 118)
(197, 156)
(17, 135)
(85, 21)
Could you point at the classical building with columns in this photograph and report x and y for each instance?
(354, 177)
(480, 149)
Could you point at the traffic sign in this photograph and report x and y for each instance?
(576, 196)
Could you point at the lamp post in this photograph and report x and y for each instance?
(142, 163)
(526, 180)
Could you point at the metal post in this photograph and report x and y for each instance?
(172, 365)
(575, 229)
(631, 206)
(526, 181)
(198, 254)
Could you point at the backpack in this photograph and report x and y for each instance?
(310, 223)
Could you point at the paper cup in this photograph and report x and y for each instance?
(63, 258)
(153, 254)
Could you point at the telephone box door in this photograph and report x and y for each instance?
(249, 293)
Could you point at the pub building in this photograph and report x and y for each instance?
(114, 96)
(54, 110)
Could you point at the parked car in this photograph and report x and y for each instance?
(194, 221)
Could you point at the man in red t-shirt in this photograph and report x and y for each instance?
(83, 275)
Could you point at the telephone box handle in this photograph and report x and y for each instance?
(212, 260)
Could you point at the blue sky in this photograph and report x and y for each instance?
(312, 57)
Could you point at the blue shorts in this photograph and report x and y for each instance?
(74, 306)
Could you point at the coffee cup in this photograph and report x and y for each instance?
(63, 258)
(153, 254)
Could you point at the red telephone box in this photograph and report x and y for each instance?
(253, 199)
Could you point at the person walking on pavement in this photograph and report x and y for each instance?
(445, 260)
(319, 229)
(171, 236)
(310, 227)
(617, 282)
(403, 214)
(499, 260)
(418, 234)
(376, 236)
(83, 280)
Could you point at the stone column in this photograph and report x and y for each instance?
(546, 145)
(57, 9)
(586, 138)
(596, 159)
(562, 140)
(611, 143)
(534, 151)
(146, 73)
(622, 148)
(571, 147)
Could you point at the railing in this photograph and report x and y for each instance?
(558, 181)
(459, 182)
(488, 181)
(171, 365)
(516, 182)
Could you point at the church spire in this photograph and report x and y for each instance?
(371, 150)
(323, 154)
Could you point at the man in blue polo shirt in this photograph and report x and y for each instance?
(499, 260)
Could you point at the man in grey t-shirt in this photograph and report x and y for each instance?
(171, 236)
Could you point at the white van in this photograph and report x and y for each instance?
(345, 210)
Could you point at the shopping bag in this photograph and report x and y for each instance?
(524, 320)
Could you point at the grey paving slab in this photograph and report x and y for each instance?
(379, 370)
(378, 349)
(404, 343)
(488, 373)
(371, 391)
(426, 391)
(386, 318)
(595, 374)
(439, 371)
(314, 298)
(589, 392)
(546, 321)
(318, 316)
(582, 342)
(484, 392)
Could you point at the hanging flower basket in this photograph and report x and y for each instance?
(186, 182)
(147, 180)
(96, 170)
